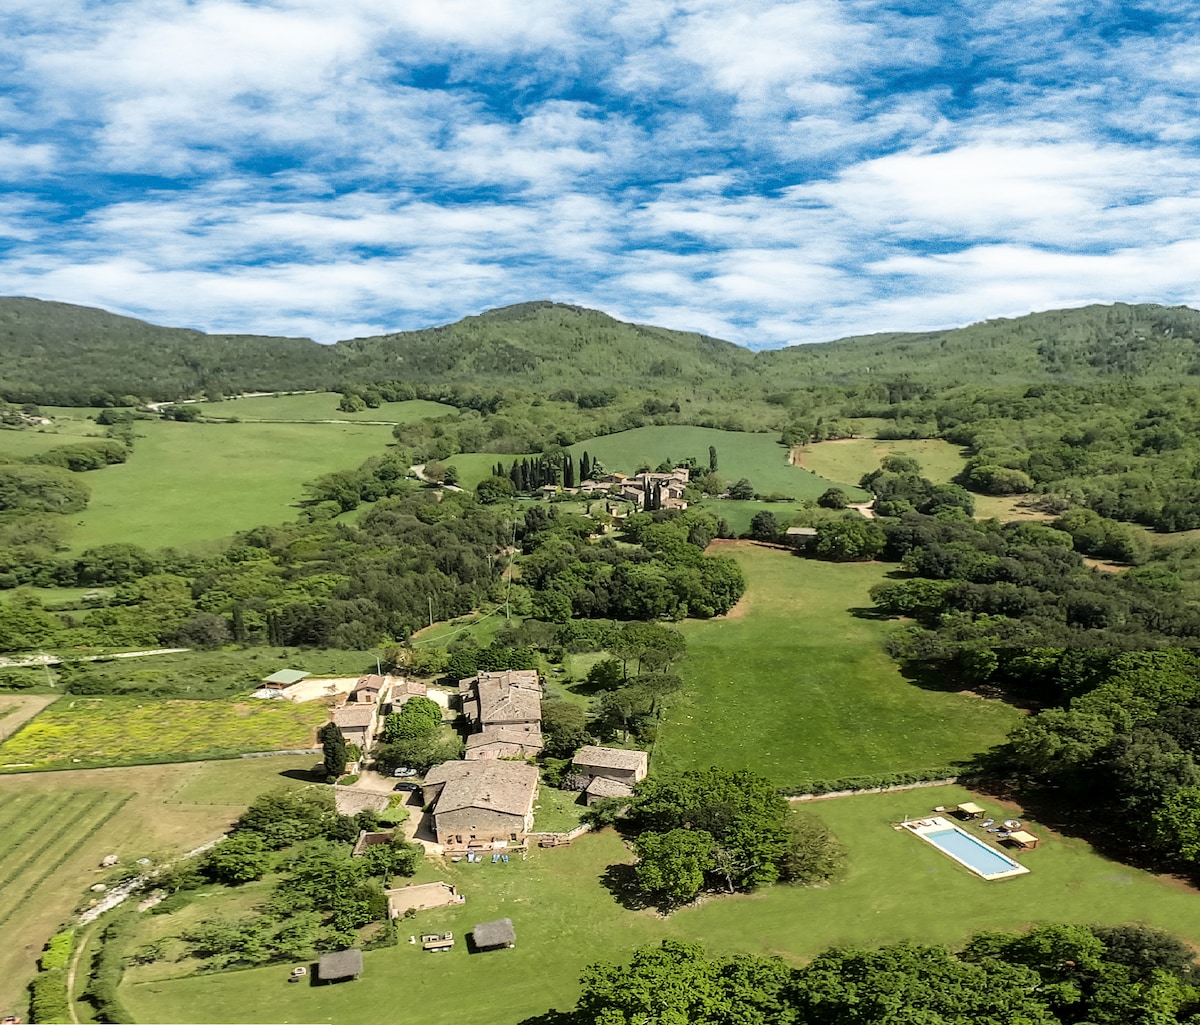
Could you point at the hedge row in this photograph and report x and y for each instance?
(886, 779)
(48, 1000)
(107, 970)
(59, 950)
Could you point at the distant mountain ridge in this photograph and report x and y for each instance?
(57, 353)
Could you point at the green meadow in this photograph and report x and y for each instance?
(795, 686)
(318, 406)
(188, 483)
(895, 887)
(849, 460)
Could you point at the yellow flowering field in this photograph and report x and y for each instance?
(80, 732)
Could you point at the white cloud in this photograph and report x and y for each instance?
(767, 171)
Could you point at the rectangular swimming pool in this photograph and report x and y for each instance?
(967, 850)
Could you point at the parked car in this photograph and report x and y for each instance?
(402, 771)
(413, 787)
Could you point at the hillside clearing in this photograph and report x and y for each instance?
(850, 459)
(798, 687)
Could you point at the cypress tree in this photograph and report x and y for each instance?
(568, 471)
(585, 467)
(238, 627)
(334, 746)
(712, 458)
(514, 474)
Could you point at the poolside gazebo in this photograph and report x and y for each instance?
(970, 810)
(1026, 841)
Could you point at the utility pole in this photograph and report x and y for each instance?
(431, 610)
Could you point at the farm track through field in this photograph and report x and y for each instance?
(36, 864)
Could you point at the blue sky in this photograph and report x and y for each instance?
(769, 173)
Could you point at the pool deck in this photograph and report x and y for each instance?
(938, 824)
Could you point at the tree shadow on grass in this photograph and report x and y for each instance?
(305, 775)
(553, 1017)
(871, 612)
(621, 881)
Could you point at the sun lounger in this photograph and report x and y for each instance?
(987, 822)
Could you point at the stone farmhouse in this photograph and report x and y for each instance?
(504, 712)
(358, 724)
(369, 690)
(611, 771)
(485, 803)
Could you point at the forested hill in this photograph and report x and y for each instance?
(1147, 342)
(60, 354)
(545, 344)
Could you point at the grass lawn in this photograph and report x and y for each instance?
(848, 460)
(316, 406)
(154, 817)
(97, 731)
(556, 811)
(758, 457)
(794, 686)
(186, 483)
(895, 888)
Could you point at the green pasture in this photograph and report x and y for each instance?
(318, 406)
(757, 457)
(86, 732)
(795, 686)
(738, 514)
(31, 441)
(186, 483)
(895, 888)
(849, 460)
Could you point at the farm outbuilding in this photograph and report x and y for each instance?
(284, 678)
(494, 935)
(345, 964)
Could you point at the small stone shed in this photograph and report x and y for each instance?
(494, 935)
(345, 964)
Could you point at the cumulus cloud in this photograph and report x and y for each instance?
(771, 172)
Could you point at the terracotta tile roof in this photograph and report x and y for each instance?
(611, 758)
(354, 716)
(501, 786)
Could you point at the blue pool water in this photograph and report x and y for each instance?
(975, 853)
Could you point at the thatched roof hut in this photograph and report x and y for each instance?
(492, 935)
(345, 964)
